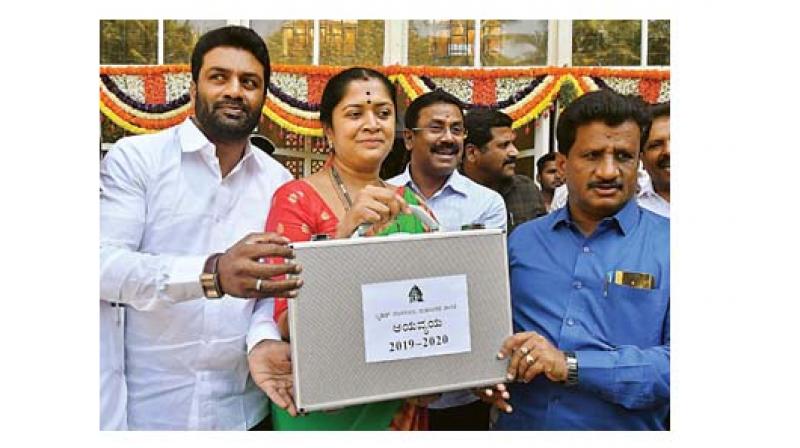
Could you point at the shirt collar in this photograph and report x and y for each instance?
(625, 219)
(192, 139)
(457, 182)
(646, 188)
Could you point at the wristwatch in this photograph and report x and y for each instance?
(209, 279)
(572, 369)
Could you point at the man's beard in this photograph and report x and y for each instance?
(218, 129)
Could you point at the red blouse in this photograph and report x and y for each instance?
(297, 212)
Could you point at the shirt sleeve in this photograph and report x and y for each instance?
(495, 216)
(141, 280)
(630, 376)
(262, 326)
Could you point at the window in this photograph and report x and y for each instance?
(181, 35)
(441, 42)
(349, 42)
(658, 42)
(129, 41)
(606, 42)
(513, 42)
(288, 41)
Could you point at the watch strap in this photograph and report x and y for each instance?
(572, 369)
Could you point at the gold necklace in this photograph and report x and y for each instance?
(341, 189)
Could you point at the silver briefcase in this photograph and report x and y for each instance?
(418, 341)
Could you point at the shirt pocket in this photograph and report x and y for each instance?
(636, 315)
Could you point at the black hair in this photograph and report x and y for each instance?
(435, 97)
(337, 86)
(231, 36)
(549, 157)
(602, 105)
(479, 123)
(659, 110)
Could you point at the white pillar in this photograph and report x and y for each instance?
(395, 42)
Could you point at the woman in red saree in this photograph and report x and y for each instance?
(357, 112)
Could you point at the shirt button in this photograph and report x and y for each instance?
(578, 285)
(570, 321)
(586, 249)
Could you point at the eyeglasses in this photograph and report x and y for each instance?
(456, 130)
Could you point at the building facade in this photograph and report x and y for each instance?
(448, 54)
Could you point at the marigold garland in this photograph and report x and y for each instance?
(484, 91)
(649, 90)
(106, 95)
(301, 115)
(301, 122)
(308, 115)
(142, 122)
(122, 123)
(155, 89)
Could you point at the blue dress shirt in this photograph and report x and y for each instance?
(620, 334)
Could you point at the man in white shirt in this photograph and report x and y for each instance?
(656, 160)
(182, 213)
(434, 136)
(549, 177)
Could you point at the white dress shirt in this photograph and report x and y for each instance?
(460, 201)
(113, 392)
(649, 199)
(164, 208)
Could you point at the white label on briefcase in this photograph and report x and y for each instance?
(415, 318)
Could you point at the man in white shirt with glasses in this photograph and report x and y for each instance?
(434, 136)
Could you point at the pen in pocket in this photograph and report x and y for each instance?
(608, 279)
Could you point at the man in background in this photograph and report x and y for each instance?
(548, 176)
(654, 195)
(490, 159)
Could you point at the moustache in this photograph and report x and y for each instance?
(510, 160)
(445, 148)
(663, 162)
(616, 185)
(231, 103)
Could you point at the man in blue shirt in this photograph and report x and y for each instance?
(590, 287)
